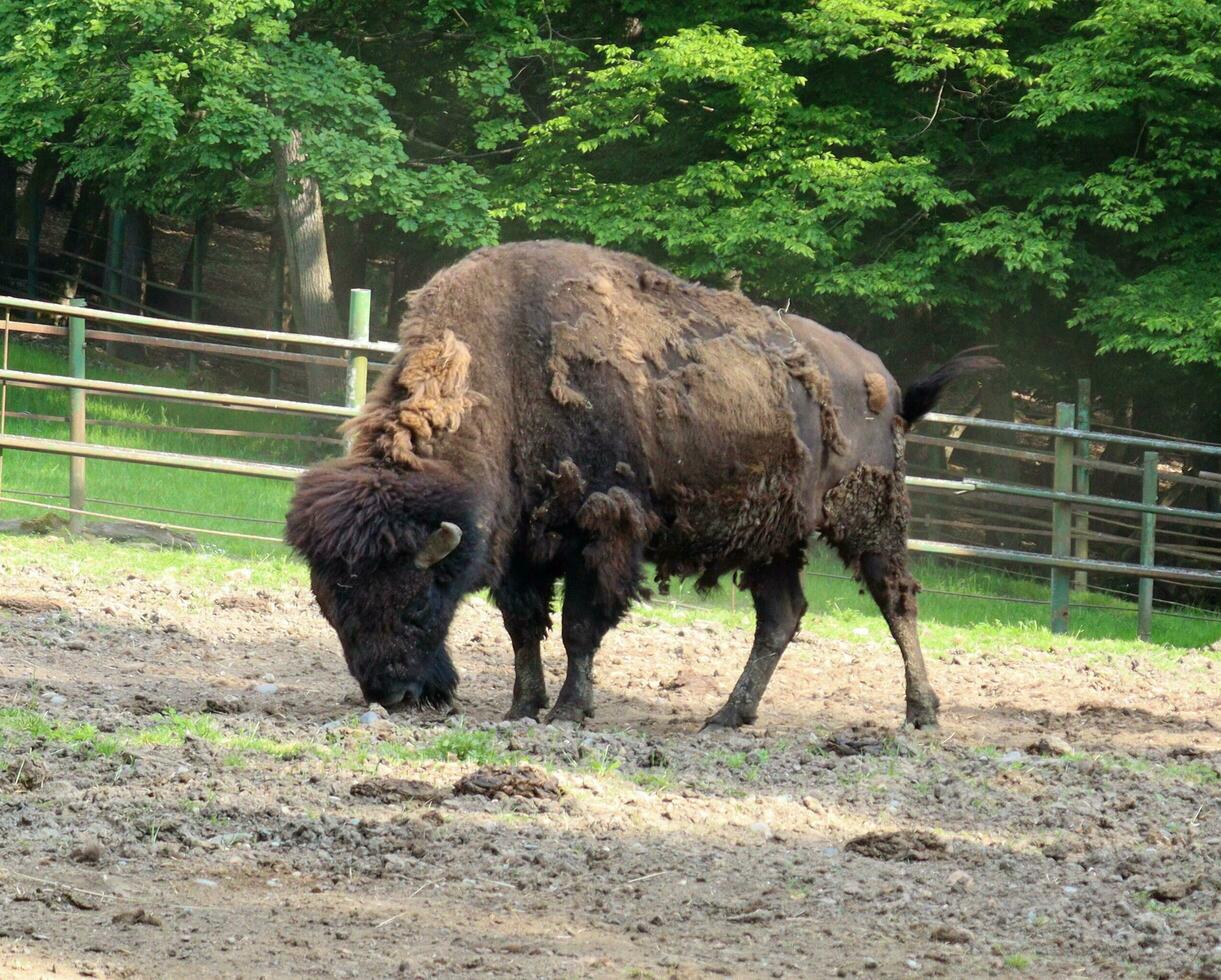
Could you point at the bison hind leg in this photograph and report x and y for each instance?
(894, 590)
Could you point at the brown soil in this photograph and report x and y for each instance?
(636, 847)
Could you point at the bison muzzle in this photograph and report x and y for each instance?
(558, 411)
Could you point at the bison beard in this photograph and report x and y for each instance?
(563, 412)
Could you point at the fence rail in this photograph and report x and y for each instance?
(1069, 498)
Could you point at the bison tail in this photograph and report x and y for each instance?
(922, 395)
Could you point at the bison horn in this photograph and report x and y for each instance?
(439, 544)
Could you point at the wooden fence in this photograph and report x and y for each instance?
(1072, 505)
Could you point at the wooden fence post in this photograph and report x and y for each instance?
(1062, 518)
(1081, 483)
(1148, 525)
(76, 418)
(358, 361)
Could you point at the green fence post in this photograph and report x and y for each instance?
(358, 361)
(1062, 519)
(1081, 484)
(76, 418)
(1148, 525)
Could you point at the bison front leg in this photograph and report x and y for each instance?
(586, 619)
(525, 605)
(779, 606)
(894, 590)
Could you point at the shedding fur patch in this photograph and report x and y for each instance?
(657, 330)
(805, 369)
(869, 510)
(619, 526)
(423, 395)
(875, 391)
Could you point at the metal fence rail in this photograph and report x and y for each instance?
(1069, 498)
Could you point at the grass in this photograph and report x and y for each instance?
(1013, 612)
(254, 500)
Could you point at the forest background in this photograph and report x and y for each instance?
(924, 175)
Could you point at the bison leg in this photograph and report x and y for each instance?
(779, 606)
(586, 619)
(525, 605)
(895, 593)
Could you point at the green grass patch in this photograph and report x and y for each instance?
(253, 500)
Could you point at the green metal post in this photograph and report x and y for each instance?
(358, 361)
(1148, 526)
(1081, 484)
(1062, 519)
(76, 418)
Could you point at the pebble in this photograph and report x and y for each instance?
(1151, 923)
(1013, 755)
(960, 881)
(266, 689)
(762, 829)
(1049, 745)
(57, 700)
(945, 933)
(913, 964)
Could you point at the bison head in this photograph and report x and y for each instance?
(391, 552)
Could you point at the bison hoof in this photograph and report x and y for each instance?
(526, 708)
(569, 711)
(730, 716)
(922, 716)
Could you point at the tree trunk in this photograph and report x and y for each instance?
(313, 297)
(79, 239)
(135, 267)
(349, 251)
(203, 231)
(8, 206)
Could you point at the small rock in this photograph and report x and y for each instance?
(374, 720)
(379, 710)
(89, 852)
(1049, 745)
(57, 700)
(1057, 850)
(950, 934)
(1151, 923)
(136, 917)
(912, 964)
(762, 829)
(1172, 891)
(960, 881)
(266, 689)
(1012, 756)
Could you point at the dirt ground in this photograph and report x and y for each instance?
(206, 824)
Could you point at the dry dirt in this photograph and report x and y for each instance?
(227, 840)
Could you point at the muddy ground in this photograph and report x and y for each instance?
(178, 766)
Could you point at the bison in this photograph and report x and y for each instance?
(559, 411)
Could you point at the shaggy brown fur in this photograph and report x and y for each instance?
(585, 411)
(876, 391)
(428, 396)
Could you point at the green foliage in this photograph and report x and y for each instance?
(1006, 168)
